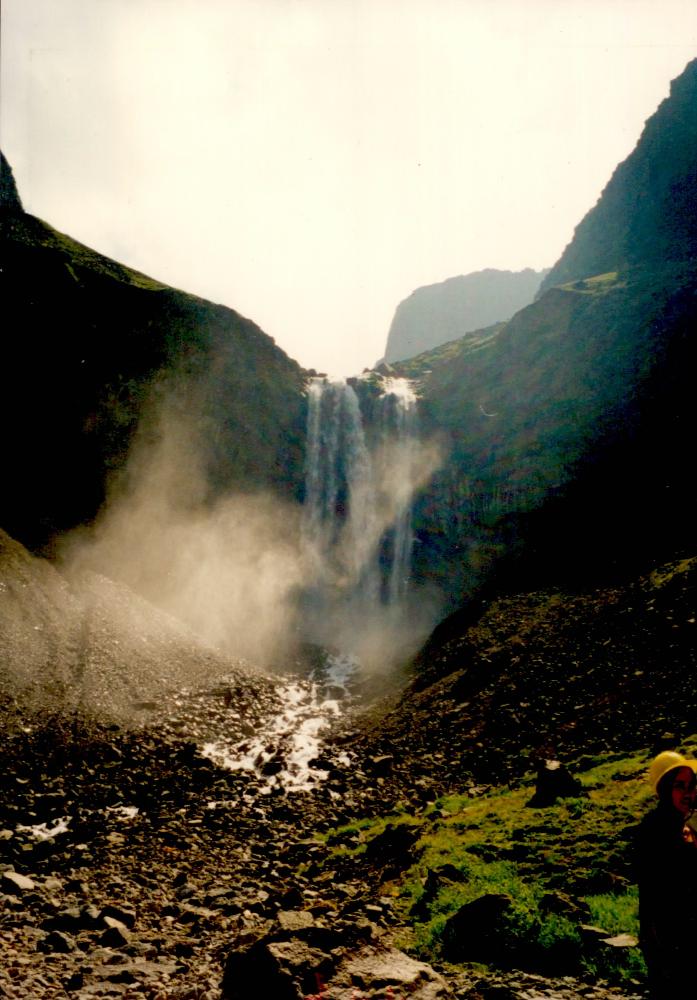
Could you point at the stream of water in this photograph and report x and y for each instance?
(358, 535)
(286, 753)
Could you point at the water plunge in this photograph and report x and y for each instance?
(362, 470)
(361, 474)
(400, 414)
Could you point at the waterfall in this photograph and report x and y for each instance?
(399, 417)
(357, 513)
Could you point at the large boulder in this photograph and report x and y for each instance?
(312, 961)
(477, 932)
(554, 781)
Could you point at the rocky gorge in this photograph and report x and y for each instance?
(138, 862)
(173, 877)
(183, 818)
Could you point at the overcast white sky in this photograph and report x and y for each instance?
(311, 162)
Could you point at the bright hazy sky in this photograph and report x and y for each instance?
(312, 162)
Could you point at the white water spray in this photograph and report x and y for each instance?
(358, 498)
(284, 753)
(399, 406)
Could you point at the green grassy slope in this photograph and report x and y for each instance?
(560, 871)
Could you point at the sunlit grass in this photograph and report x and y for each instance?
(561, 867)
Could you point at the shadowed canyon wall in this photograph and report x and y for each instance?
(565, 433)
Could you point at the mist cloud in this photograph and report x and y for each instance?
(238, 569)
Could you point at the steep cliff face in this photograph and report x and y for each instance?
(90, 351)
(647, 214)
(569, 429)
(568, 434)
(9, 196)
(436, 314)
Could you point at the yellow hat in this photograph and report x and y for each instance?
(665, 762)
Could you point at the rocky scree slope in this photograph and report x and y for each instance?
(174, 877)
(90, 645)
(511, 681)
(177, 879)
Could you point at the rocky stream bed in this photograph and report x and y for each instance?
(139, 863)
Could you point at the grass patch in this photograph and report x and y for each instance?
(560, 868)
(617, 913)
(597, 284)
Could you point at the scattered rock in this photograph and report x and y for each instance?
(554, 781)
(475, 932)
(12, 881)
(58, 941)
(621, 941)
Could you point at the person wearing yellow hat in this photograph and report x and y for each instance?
(667, 877)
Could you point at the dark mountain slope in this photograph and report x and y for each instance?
(91, 347)
(9, 196)
(569, 429)
(647, 214)
(583, 398)
(551, 672)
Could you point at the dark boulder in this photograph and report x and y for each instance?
(394, 849)
(285, 970)
(554, 781)
(436, 879)
(477, 931)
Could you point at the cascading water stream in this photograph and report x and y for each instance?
(399, 416)
(339, 494)
(357, 534)
(358, 514)
(283, 753)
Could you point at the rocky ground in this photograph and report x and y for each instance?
(165, 842)
(135, 866)
(531, 676)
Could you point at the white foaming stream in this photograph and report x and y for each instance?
(293, 738)
(42, 831)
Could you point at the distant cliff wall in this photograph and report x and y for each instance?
(436, 314)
